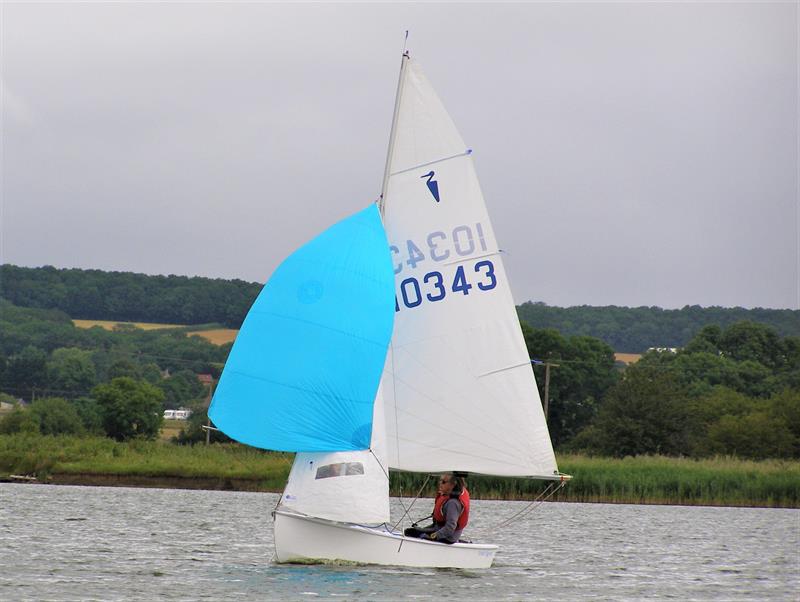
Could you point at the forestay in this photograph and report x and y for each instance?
(459, 387)
(304, 369)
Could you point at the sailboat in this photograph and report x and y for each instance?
(389, 342)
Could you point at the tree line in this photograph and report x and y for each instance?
(129, 297)
(95, 381)
(637, 329)
(729, 391)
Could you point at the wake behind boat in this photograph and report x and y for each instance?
(389, 342)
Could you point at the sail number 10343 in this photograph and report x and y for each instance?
(434, 287)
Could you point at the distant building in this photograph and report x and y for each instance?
(663, 349)
(206, 379)
(179, 414)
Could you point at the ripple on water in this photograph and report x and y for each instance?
(50, 535)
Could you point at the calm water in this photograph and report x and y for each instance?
(80, 543)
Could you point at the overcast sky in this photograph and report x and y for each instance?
(630, 154)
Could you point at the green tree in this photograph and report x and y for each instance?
(56, 416)
(91, 414)
(701, 371)
(706, 341)
(71, 371)
(644, 413)
(585, 372)
(131, 408)
(19, 420)
(709, 409)
(151, 373)
(181, 389)
(124, 367)
(750, 341)
(785, 406)
(25, 372)
(757, 435)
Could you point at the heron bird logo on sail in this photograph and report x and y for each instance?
(433, 185)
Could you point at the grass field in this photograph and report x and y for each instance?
(110, 324)
(171, 429)
(218, 336)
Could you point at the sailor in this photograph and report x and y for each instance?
(450, 512)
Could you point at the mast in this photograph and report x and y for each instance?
(400, 84)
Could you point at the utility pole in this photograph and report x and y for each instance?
(546, 401)
(208, 405)
(547, 387)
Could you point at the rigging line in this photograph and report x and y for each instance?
(387, 475)
(504, 369)
(538, 501)
(526, 508)
(466, 153)
(394, 403)
(551, 494)
(416, 497)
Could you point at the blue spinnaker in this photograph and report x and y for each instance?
(304, 370)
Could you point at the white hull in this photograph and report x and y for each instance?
(300, 538)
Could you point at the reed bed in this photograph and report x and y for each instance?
(721, 481)
(44, 456)
(642, 479)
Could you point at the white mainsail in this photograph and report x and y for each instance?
(459, 388)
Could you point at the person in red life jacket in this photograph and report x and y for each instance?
(450, 512)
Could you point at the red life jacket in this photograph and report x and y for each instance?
(438, 505)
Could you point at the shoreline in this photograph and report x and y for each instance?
(98, 461)
(255, 486)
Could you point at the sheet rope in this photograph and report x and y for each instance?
(545, 495)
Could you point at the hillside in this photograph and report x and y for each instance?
(636, 329)
(129, 297)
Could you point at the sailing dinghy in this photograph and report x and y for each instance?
(389, 342)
